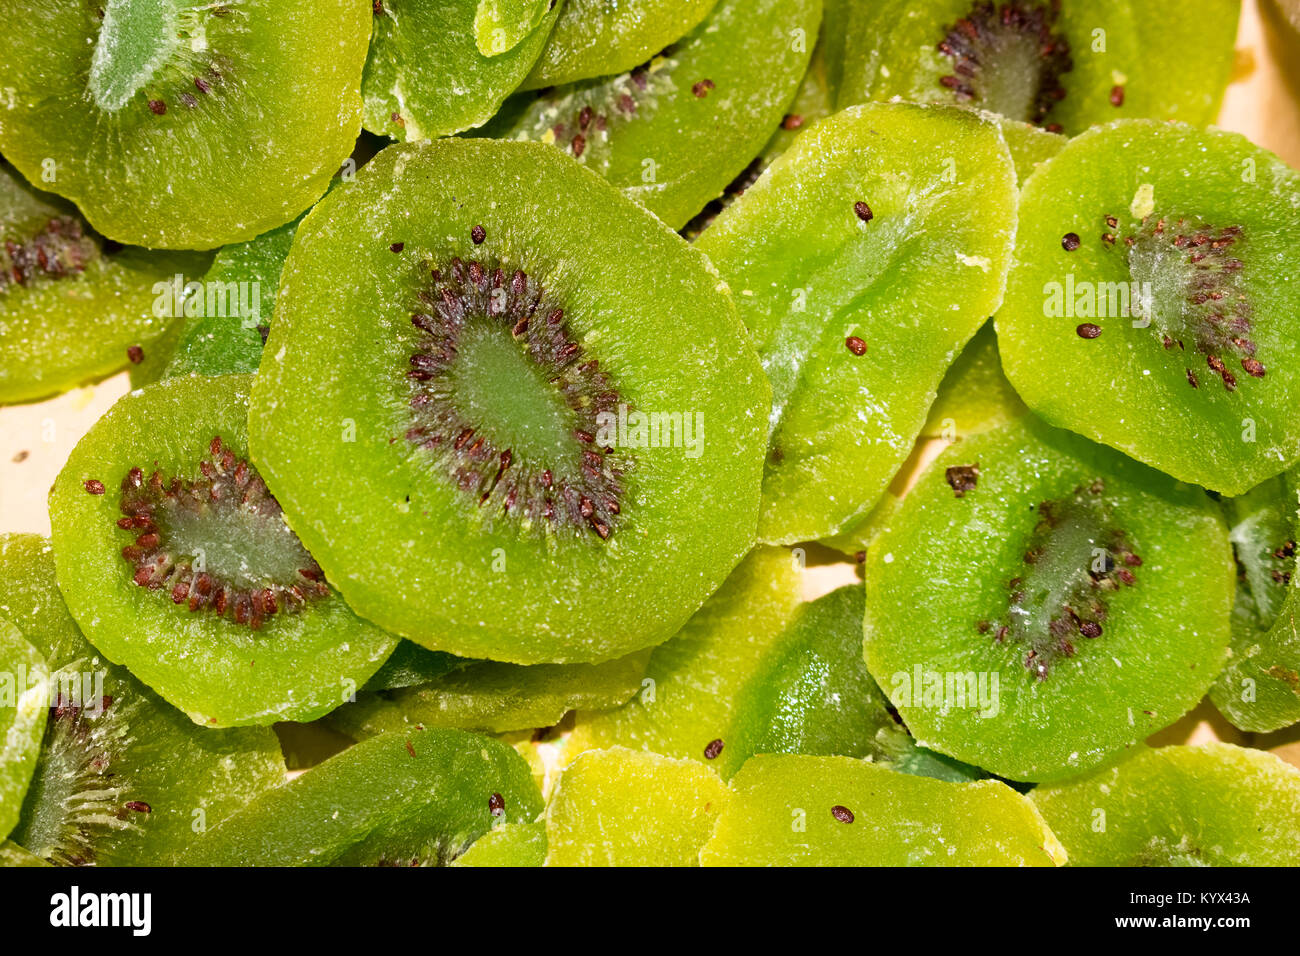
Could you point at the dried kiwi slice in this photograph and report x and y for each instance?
(232, 308)
(878, 243)
(495, 697)
(624, 807)
(1039, 603)
(24, 703)
(123, 778)
(486, 426)
(1212, 805)
(790, 810)
(74, 306)
(1061, 64)
(428, 73)
(510, 844)
(687, 703)
(600, 38)
(1152, 304)
(177, 563)
(757, 671)
(182, 124)
(413, 799)
(674, 131)
(1259, 688)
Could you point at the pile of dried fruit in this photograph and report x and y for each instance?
(497, 364)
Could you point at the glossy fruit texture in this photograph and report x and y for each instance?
(123, 778)
(494, 697)
(74, 306)
(862, 262)
(438, 67)
(1039, 603)
(674, 131)
(510, 844)
(24, 704)
(789, 810)
(631, 808)
(207, 596)
(183, 125)
(499, 432)
(413, 799)
(1152, 303)
(1062, 64)
(1213, 805)
(721, 648)
(1259, 689)
(597, 38)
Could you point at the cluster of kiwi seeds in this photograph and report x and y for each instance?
(476, 448)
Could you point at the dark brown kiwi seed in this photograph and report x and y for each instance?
(1017, 31)
(1075, 560)
(855, 345)
(1117, 95)
(171, 519)
(841, 813)
(496, 805)
(962, 478)
(61, 247)
(1070, 241)
(94, 486)
(701, 89)
(477, 235)
(713, 749)
(134, 354)
(863, 211)
(580, 493)
(1210, 314)
(1087, 330)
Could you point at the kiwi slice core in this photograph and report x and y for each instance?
(1030, 56)
(194, 538)
(530, 450)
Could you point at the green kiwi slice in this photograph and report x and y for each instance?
(24, 703)
(1040, 603)
(675, 130)
(603, 37)
(428, 75)
(11, 854)
(177, 563)
(1259, 688)
(419, 798)
(74, 306)
(510, 844)
(228, 314)
(877, 244)
(793, 810)
(487, 427)
(122, 778)
(720, 648)
(501, 25)
(758, 671)
(624, 807)
(410, 665)
(1158, 259)
(494, 697)
(1060, 64)
(168, 122)
(1211, 805)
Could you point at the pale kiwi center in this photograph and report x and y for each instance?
(500, 388)
(136, 38)
(248, 549)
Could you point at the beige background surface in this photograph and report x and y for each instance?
(1263, 103)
